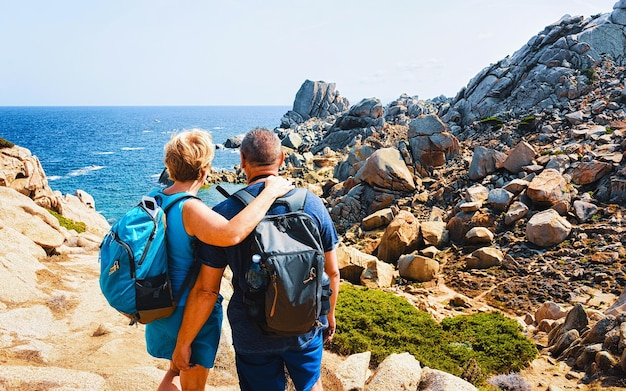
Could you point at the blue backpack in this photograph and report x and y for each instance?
(134, 265)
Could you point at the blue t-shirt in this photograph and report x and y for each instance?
(246, 337)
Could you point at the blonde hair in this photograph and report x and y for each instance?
(188, 154)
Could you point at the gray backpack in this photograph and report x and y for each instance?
(292, 259)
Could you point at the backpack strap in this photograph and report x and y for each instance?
(192, 274)
(190, 278)
(293, 201)
(172, 199)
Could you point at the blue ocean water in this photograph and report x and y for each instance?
(116, 153)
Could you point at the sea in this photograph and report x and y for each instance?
(116, 153)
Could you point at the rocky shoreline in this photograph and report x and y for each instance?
(510, 196)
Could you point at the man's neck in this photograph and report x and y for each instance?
(259, 176)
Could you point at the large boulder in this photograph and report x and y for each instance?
(431, 144)
(352, 263)
(548, 188)
(399, 371)
(386, 169)
(80, 207)
(366, 113)
(354, 371)
(400, 237)
(436, 380)
(378, 274)
(522, 155)
(485, 161)
(547, 228)
(31, 220)
(417, 268)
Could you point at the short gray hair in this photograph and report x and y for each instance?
(261, 147)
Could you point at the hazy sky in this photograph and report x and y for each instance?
(250, 52)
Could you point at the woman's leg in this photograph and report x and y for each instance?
(194, 379)
(170, 380)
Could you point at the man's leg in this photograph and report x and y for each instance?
(262, 372)
(318, 385)
(305, 366)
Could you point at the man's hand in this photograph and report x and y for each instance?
(330, 331)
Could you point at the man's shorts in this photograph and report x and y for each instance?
(265, 372)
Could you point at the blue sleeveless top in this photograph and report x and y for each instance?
(180, 247)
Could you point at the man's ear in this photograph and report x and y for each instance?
(242, 159)
(282, 158)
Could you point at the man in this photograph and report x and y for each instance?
(260, 359)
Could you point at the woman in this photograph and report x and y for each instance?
(188, 157)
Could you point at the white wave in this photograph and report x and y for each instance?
(132, 148)
(84, 170)
(104, 153)
(54, 177)
(217, 127)
(146, 131)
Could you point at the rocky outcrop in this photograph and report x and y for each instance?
(314, 99)
(402, 110)
(22, 172)
(595, 347)
(555, 66)
(361, 121)
(25, 202)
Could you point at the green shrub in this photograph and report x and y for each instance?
(496, 341)
(552, 152)
(382, 323)
(495, 122)
(5, 143)
(527, 123)
(375, 321)
(590, 73)
(69, 224)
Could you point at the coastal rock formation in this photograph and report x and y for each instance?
(21, 171)
(314, 99)
(555, 66)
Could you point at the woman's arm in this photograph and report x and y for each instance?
(198, 308)
(212, 228)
